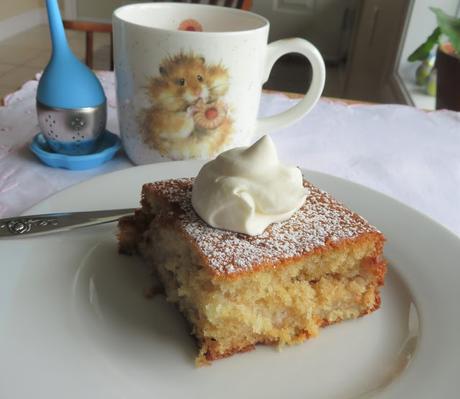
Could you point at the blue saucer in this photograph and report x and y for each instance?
(107, 147)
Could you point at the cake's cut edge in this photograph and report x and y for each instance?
(207, 354)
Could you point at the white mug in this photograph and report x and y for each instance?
(189, 79)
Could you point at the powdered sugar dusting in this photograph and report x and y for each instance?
(321, 220)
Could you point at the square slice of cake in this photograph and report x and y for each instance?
(321, 266)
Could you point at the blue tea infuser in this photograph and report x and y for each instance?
(71, 107)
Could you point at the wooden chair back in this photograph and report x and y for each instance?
(90, 28)
(241, 4)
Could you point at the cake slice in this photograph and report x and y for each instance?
(321, 266)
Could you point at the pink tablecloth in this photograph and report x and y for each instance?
(406, 153)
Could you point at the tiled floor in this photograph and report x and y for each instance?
(25, 54)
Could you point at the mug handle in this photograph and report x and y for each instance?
(274, 51)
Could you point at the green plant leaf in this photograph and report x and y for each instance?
(423, 51)
(450, 26)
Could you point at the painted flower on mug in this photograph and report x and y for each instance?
(188, 116)
(209, 116)
(191, 25)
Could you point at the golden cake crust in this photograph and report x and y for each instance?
(320, 224)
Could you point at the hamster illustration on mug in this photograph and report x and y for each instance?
(188, 117)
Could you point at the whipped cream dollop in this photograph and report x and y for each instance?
(246, 189)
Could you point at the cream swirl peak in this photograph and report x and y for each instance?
(246, 189)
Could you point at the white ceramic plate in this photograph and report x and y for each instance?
(74, 322)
